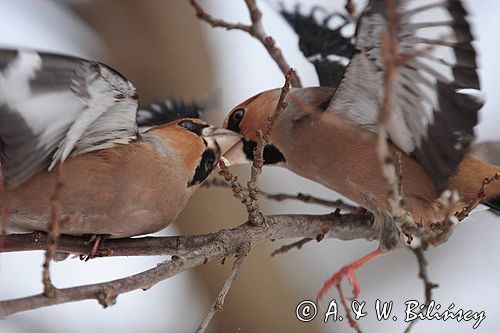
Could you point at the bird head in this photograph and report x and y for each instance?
(199, 144)
(253, 114)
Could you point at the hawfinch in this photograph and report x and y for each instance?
(80, 116)
(328, 135)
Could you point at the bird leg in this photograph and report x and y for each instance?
(96, 240)
(348, 271)
(389, 240)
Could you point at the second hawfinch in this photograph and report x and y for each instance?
(327, 134)
(116, 181)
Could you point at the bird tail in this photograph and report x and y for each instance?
(494, 204)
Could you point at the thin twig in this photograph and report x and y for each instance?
(393, 61)
(236, 187)
(390, 55)
(219, 301)
(440, 232)
(218, 23)
(255, 29)
(481, 194)
(53, 234)
(428, 285)
(281, 105)
(255, 214)
(354, 325)
(306, 198)
(350, 7)
(296, 245)
(258, 160)
(251, 200)
(310, 199)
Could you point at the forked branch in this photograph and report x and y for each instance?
(255, 29)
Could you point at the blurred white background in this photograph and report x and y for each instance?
(264, 297)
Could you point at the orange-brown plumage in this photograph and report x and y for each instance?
(335, 152)
(330, 137)
(128, 190)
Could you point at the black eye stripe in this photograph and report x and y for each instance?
(190, 125)
(234, 121)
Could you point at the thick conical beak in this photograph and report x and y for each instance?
(224, 141)
(236, 154)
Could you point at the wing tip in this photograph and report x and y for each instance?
(167, 111)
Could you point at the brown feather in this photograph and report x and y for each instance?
(133, 189)
(333, 151)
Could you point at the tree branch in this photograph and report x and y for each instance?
(350, 7)
(353, 323)
(219, 301)
(255, 29)
(188, 252)
(479, 196)
(295, 245)
(392, 64)
(251, 200)
(306, 198)
(428, 285)
(53, 234)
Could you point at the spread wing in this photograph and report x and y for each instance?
(54, 106)
(435, 108)
(170, 110)
(324, 44)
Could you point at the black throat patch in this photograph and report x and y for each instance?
(206, 166)
(272, 155)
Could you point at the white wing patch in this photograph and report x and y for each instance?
(53, 107)
(430, 108)
(14, 81)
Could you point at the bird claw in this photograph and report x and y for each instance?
(96, 240)
(348, 271)
(336, 279)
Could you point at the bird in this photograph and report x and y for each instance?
(73, 121)
(328, 134)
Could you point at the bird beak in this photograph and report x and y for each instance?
(225, 141)
(236, 155)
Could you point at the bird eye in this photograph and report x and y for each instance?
(238, 115)
(235, 119)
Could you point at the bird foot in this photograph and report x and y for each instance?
(348, 271)
(96, 240)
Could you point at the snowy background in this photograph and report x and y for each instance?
(165, 51)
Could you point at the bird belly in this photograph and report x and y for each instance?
(350, 166)
(124, 198)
